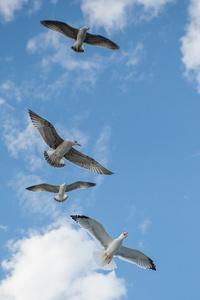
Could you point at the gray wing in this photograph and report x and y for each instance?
(85, 162)
(62, 28)
(46, 130)
(44, 187)
(95, 229)
(136, 257)
(79, 185)
(101, 41)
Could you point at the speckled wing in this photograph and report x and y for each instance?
(44, 187)
(79, 185)
(46, 130)
(136, 257)
(101, 41)
(62, 28)
(85, 162)
(94, 228)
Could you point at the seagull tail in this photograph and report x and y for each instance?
(99, 257)
(52, 162)
(61, 199)
(77, 48)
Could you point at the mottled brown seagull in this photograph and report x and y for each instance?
(60, 189)
(104, 259)
(80, 36)
(63, 148)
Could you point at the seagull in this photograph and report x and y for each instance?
(104, 259)
(80, 36)
(63, 149)
(60, 189)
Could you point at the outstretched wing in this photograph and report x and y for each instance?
(94, 228)
(44, 187)
(78, 185)
(85, 162)
(136, 257)
(46, 130)
(62, 28)
(101, 41)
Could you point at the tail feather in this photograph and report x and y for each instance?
(60, 199)
(76, 48)
(47, 156)
(99, 257)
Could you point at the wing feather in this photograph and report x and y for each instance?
(46, 130)
(136, 257)
(85, 162)
(94, 228)
(79, 185)
(101, 41)
(62, 28)
(44, 187)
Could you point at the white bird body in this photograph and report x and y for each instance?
(104, 259)
(78, 45)
(115, 245)
(61, 197)
(54, 158)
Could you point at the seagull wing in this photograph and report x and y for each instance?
(85, 162)
(46, 130)
(101, 41)
(44, 187)
(62, 28)
(95, 229)
(78, 185)
(136, 257)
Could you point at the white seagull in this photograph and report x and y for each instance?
(80, 36)
(63, 149)
(60, 189)
(104, 259)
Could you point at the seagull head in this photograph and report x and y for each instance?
(87, 27)
(125, 234)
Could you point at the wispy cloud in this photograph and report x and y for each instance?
(9, 7)
(60, 258)
(10, 90)
(144, 225)
(115, 15)
(3, 227)
(24, 142)
(191, 44)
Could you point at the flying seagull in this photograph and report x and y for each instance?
(60, 189)
(80, 36)
(104, 259)
(63, 149)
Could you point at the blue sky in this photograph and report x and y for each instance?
(136, 111)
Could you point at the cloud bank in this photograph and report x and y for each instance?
(57, 264)
(117, 14)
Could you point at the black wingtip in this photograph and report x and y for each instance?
(75, 217)
(153, 266)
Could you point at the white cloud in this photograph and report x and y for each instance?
(8, 8)
(143, 226)
(191, 44)
(57, 264)
(117, 14)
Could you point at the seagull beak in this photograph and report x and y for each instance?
(126, 234)
(78, 144)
